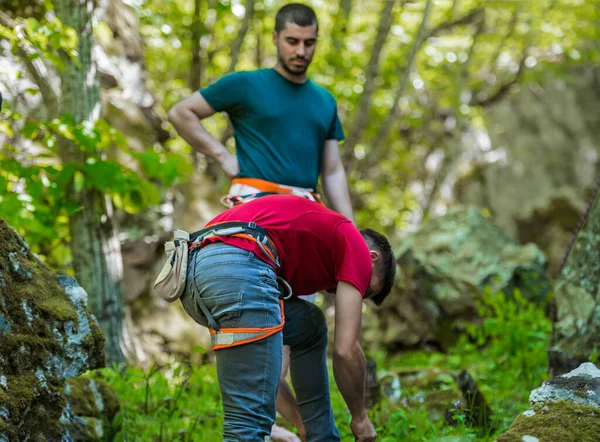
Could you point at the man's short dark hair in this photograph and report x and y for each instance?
(297, 13)
(386, 264)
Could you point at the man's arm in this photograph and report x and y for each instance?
(185, 116)
(335, 183)
(349, 361)
(287, 406)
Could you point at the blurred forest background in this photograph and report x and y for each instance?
(472, 132)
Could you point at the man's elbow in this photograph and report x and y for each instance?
(347, 352)
(173, 114)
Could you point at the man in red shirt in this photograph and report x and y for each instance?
(233, 287)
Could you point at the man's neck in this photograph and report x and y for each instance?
(298, 79)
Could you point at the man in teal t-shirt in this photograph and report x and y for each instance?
(280, 126)
(286, 127)
(287, 133)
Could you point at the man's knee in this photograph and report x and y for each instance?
(305, 325)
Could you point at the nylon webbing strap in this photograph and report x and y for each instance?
(200, 303)
(239, 229)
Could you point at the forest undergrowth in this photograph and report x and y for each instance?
(506, 354)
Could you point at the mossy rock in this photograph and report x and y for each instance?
(446, 269)
(443, 393)
(562, 421)
(95, 406)
(47, 335)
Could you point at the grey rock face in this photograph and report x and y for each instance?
(581, 386)
(445, 267)
(47, 335)
(564, 409)
(547, 135)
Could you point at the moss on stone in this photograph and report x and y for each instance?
(562, 421)
(110, 398)
(21, 389)
(37, 310)
(85, 404)
(439, 404)
(82, 398)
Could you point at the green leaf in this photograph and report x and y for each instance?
(65, 176)
(78, 181)
(6, 128)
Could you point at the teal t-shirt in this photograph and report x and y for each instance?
(280, 126)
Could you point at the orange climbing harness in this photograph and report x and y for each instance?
(246, 189)
(231, 337)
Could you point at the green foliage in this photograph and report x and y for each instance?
(506, 355)
(476, 50)
(167, 403)
(38, 192)
(47, 39)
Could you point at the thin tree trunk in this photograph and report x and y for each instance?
(213, 168)
(259, 55)
(361, 119)
(236, 45)
(94, 244)
(403, 72)
(196, 66)
(453, 151)
(576, 329)
(340, 26)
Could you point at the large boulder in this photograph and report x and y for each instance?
(542, 160)
(564, 409)
(47, 336)
(445, 268)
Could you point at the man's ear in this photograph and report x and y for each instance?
(275, 38)
(374, 255)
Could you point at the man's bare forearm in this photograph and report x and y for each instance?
(189, 127)
(335, 187)
(350, 374)
(287, 406)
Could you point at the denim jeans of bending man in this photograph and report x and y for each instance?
(240, 290)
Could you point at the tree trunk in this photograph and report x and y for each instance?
(236, 45)
(361, 119)
(94, 244)
(576, 328)
(196, 66)
(403, 73)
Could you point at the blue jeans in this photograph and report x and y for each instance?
(240, 290)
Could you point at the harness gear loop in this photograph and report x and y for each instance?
(231, 337)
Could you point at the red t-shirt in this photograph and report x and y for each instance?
(317, 247)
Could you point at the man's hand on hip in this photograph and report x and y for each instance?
(230, 165)
(363, 430)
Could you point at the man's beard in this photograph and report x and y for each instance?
(297, 71)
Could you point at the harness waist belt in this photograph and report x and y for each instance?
(247, 189)
(239, 229)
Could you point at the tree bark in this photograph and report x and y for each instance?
(94, 244)
(576, 328)
(454, 146)
(361, 119)
(403, 72)
(212, 168)
(236, 45)
(196, 66)
(340, 25)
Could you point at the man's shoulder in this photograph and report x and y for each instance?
(323, 91)
(252, 75)
(244, 75)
